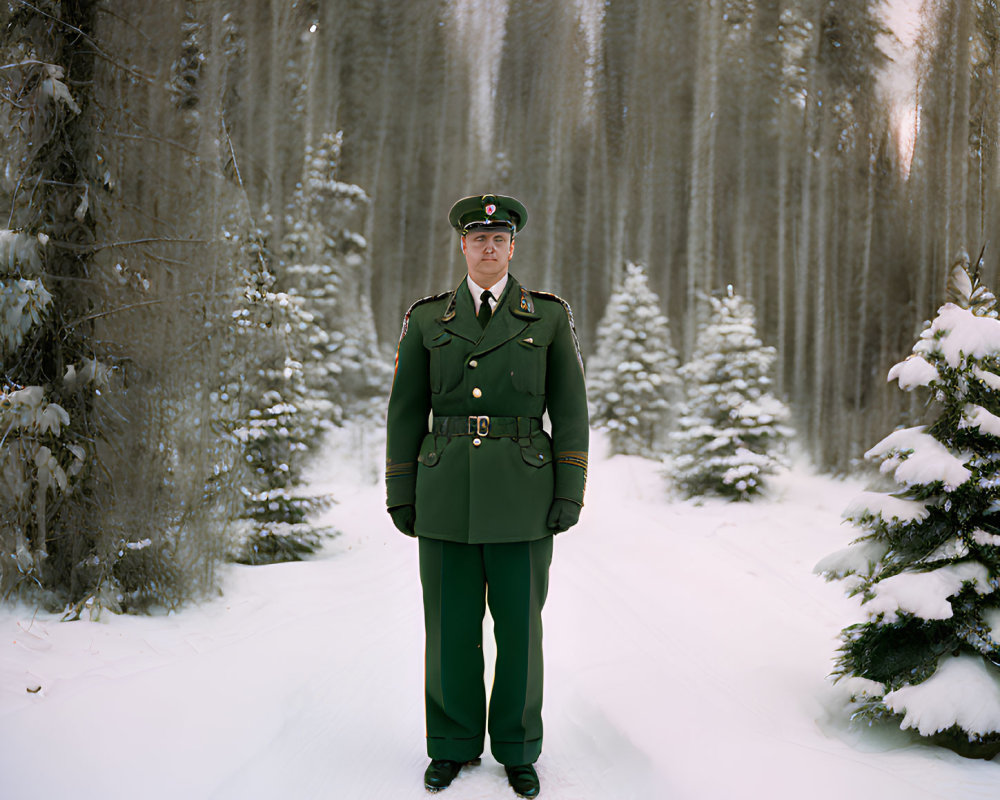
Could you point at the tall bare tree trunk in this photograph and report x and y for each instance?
(803, 258)
(960, 140)
(860, 379)
(700, 233)
(739, 228)
(957, 137)
(804, 242)
(273, 119)
(820, 317)
(312, 121)
(784, 279)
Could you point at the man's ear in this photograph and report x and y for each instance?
(463, 244)
(511, 254)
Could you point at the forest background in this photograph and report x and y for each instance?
(174, 171)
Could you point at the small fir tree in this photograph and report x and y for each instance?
(928, 654)
(275, 423)
(633, 376)
(731, 431)
(324, 263)
(317, 361)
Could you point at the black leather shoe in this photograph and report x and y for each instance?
(441, 772)
(523, 780)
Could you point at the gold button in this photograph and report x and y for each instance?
(477, 392)
(476, 442)
(473, 364)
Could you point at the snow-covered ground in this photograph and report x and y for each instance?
(687, 648)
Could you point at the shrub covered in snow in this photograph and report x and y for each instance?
(318, 362)
(323, 262)
(731, 432)
(928, 654)
(632, 378)
(274, 421)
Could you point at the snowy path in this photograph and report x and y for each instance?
(686, 654)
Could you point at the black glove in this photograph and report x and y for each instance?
(563, 515)
(403, 518)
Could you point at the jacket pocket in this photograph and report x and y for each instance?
(528, 366)
(538, 452)
(445, 364)
(431, 449)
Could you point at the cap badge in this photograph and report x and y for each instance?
(490, 209)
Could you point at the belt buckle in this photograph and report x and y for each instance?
(479, 426)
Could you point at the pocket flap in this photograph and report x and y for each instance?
(538, 452)
(431, 449)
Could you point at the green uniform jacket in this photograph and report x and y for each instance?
(526, 361)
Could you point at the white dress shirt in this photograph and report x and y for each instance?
(477, 291)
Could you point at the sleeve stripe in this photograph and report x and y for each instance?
(396, 470)
(575, 457)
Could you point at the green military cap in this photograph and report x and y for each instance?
(488, 211)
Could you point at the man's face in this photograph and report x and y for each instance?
(487, 254)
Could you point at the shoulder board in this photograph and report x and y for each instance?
(563, 303)
(420, 302)
(550, 296)
(569, 315)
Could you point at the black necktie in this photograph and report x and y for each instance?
(485, 312)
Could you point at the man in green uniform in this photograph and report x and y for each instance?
(484, 487)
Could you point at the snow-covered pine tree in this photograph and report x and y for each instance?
(324, 262)
(632, 377)
(301, 323)
(731, 432)
(928, 654)
(276, 423)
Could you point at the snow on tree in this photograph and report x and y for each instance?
(185, 72)
(56, 390)
(305, 322)
(731, 431)
(263, 402)
(33, 451)
(928, 654)
(632, 377)
(324, 263)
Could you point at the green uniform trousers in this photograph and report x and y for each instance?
(458, 580)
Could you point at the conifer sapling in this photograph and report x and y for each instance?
(731, 432)
(633, 381)
(928, 654)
